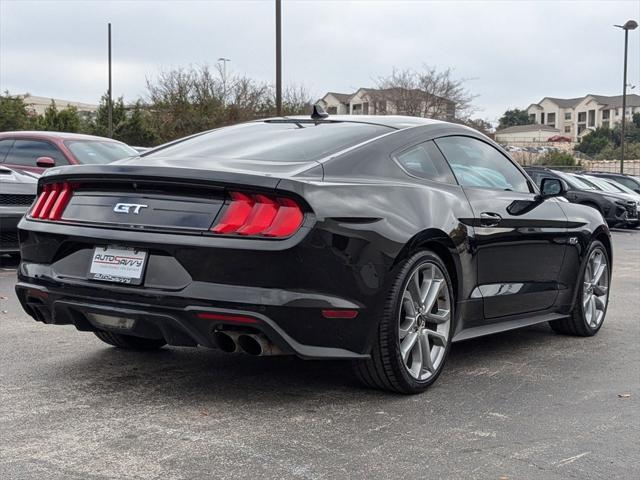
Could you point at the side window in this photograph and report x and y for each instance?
(478, 164)
(624, 181)
(536, 177)
(5, 146)
(426, 161)
(26, 152)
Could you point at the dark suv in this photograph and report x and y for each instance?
(616, 209)
(628, 181)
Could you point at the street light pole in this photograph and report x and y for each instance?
(224, 78)
(278, 60)
(630, 25)
(110, 100)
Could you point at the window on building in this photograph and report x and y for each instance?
(581, 128)
(332, 110)
(567, 115)
(356, 109)
(532, 117)
(592, 118)
(617, 112)
(426, 161)
(606, 114)
(582, 117)
(478, 164)
(542, 118)
(551, 119)
(567, 129)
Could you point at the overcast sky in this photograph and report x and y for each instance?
(513, 52)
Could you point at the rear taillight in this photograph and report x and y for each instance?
(52, 201)
(260, 215)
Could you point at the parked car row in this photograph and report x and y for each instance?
(25, 155)
(538, 149)
(619, 206)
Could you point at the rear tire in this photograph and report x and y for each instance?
(129, 342)
(592, 298)
(415, 329)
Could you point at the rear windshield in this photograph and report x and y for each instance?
(284, 142)
(96, 151)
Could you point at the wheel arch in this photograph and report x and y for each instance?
(602, 235)
(441, 244)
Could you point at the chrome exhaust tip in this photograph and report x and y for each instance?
(227, 342)
(257, 345)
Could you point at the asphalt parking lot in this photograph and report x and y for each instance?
(518, 405)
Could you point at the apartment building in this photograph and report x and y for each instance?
(389, 101)
(575, 117)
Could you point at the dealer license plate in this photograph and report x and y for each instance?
(118, 264)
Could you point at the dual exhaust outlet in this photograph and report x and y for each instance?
(249, 343)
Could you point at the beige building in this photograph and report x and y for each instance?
(37, 105)
(526, 134)
(390, 101)
(575, 117)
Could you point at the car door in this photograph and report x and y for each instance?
(519, 240)
(25, 151)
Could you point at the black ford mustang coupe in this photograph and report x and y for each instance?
(380, 240)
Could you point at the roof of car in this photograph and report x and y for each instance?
(53, 135)
(392, 121)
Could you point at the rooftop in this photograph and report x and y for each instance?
(612, 101)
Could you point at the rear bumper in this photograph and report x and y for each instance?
(284, 285)
(179, 322)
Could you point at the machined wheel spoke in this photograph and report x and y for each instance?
(432, 295)
(585, 300)
(416, 360)
(599, 303)
(598, 272)
(408, 323)
(441, 316)
(425, 349)
(437, 337)
(407, 345)
(598, 317)
(414, 288)
(599, 290)
(593, 312)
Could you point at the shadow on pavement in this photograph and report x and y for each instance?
(206, 375)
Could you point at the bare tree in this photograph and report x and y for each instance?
(424, 93)
(189, 100)
(296, 100)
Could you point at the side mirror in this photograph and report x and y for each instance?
(45, 162)
(552, 187)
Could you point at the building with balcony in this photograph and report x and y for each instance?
(575, 117)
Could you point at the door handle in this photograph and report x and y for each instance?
(489, 219)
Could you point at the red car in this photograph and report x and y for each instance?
(37, 151)
(559, 138)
